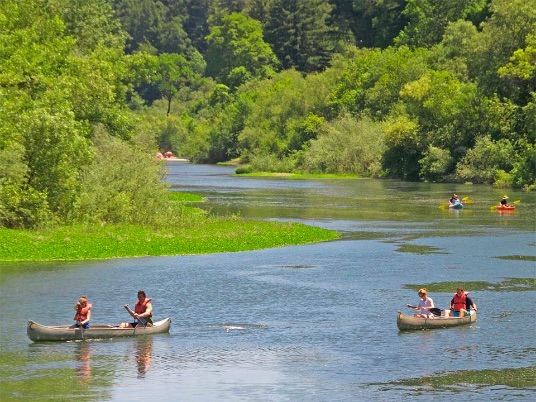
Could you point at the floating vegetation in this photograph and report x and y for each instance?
(516, 378)
(419, 249)
(518, 257)
(295, 266)
(507, 285)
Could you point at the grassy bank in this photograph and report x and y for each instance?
(197, 233)
(210, 236)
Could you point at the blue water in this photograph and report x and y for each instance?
(301, 323)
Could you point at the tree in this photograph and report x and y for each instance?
(172, 73)
(196, 23)
(374, 24)
(299, 33)
(237, 51)
(427, 19)
(448, 111)
(154, 23)
(520, 72)
(506, 31)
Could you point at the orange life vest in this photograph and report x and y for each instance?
(140, 308)
(459, 301)
(81, 313)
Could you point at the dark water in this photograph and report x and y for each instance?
(303, 323)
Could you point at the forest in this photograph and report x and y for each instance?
(417, 90)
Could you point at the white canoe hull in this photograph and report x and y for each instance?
(406, 322)
(38, 332)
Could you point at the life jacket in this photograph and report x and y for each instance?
(459, 301)
(81, 313)
(140, 308)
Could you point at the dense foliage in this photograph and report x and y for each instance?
(409, 89)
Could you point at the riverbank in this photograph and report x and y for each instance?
(213, 235)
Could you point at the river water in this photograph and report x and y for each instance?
(301, 323)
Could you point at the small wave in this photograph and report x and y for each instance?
(241, 327)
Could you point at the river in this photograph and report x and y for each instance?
(301, 323)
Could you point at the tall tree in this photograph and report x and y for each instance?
(196, 23)
(173, 72)
(237, 51)
(372, 23)
(299, 33)
(154, 23)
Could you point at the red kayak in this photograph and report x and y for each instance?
(506, 207)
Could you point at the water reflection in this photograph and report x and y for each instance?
(144, 350)
(83, 357)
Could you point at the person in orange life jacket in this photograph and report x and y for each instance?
(83, 313)
(142, 314)
(461, 304)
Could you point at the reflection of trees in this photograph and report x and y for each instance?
(83, 357)
(144, 348)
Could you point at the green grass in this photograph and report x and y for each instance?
(212, 235)
(177, 196)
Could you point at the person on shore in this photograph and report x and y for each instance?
(142, 314)
(461, 304)
(425, 305)
(83, 313)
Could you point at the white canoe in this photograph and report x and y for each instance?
(38, 332)
(406, 322)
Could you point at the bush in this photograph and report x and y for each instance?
(243, 170)
(437, 164)
(346, 145)
(123, 185)
(483, 162)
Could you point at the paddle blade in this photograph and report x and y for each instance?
(493, 207)
(444, 204)
(468, 201)
(517, 201)
(465, 198)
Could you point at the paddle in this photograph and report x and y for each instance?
(467, 200)
(434, 310)
(443, 204)
(141, 320)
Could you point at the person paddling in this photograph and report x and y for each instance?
(454, 200)
(504, 202)
(461, 304)
(142, 314)
(425, 306)
(83, 313)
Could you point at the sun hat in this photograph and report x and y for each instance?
(505, 197)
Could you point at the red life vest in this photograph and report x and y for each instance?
(459, 301)
(140, 308)
(81, 313)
